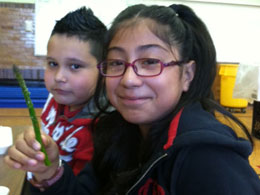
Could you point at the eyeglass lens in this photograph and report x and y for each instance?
(142, 67)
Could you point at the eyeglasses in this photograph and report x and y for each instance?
(144, 67)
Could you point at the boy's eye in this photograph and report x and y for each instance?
(52, 64)
(75, 66)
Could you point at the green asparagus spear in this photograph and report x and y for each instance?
(29, 104)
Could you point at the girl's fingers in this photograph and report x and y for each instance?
(26, 152)
(23, 153)
(22, 147)
(21, 158)
(29, 137)
(18, 160)
(11, 163)
(50, 146)
(36, 166)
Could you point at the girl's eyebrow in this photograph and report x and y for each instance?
(115, 48)
(150, 46)
(139, 48)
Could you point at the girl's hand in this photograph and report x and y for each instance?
(25, 154)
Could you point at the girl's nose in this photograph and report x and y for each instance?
(130, 78)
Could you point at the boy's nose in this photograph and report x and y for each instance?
(60, 76)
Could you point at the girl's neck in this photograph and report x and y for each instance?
(144, 130)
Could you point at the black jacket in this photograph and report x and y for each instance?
(201, 157)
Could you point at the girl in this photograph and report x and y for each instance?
(163, 137)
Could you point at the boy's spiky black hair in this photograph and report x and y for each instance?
(83, 24)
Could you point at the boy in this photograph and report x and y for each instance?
(74, 49)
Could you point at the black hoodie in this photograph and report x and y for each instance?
(201, 157)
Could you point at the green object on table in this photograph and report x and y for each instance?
(33, 117)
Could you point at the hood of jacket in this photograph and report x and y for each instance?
(195, 126)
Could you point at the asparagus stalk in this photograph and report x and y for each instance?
(33, 117)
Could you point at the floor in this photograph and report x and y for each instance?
(17, 117)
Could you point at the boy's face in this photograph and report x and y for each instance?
(71, 73)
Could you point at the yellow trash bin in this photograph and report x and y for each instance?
(228, 74)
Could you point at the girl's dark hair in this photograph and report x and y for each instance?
(119, 147)
(84, 25)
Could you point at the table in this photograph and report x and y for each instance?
(13, 179)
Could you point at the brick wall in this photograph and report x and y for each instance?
(17, 44)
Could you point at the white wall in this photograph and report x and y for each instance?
(235, 28)
(48, 11)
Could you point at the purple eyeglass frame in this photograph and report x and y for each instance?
(127, 64)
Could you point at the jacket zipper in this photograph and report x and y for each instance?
(145, 173)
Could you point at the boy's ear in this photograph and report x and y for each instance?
(188, 74)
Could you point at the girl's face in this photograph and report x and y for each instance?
(143, 100)
(71, 74)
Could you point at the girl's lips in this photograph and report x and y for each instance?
(133, 100)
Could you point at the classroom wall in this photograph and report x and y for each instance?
(18, 1)
(234, 25)
(17, 44)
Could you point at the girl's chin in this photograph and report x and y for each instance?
(135, 119)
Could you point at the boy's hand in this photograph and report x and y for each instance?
(25, 154)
